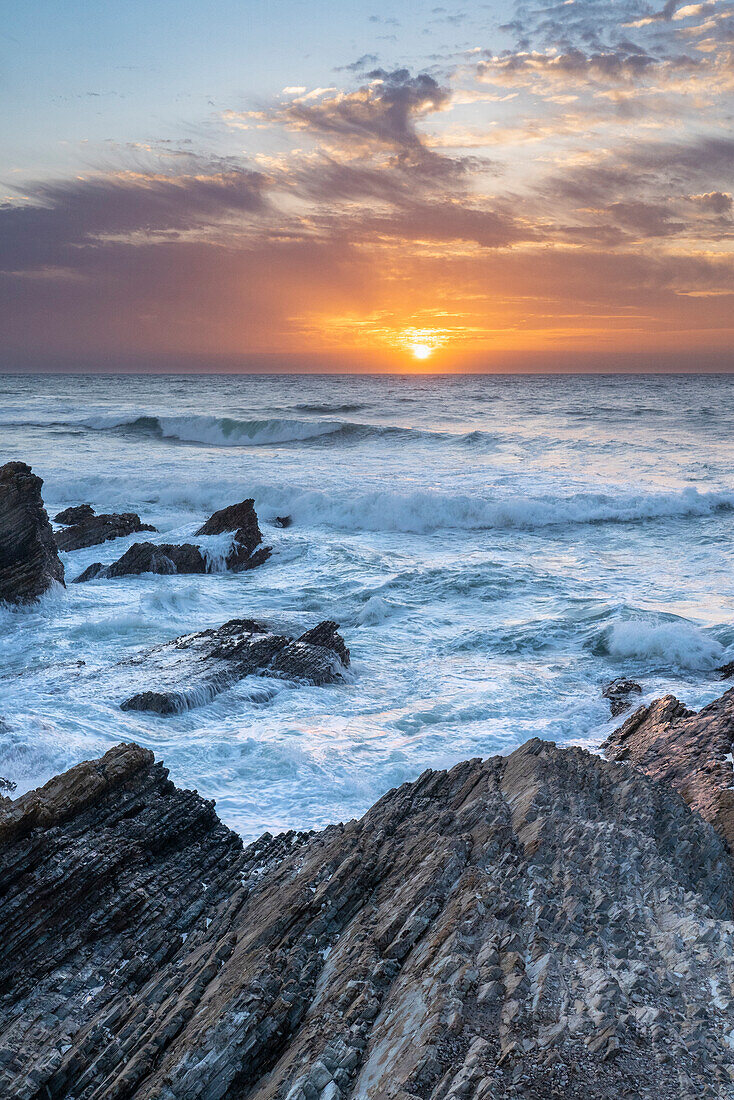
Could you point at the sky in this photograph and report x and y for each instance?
(293, 184)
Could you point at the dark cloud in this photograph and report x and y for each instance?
(66, 216)
(713, 202)
(382, 112)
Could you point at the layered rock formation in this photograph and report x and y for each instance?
(545, 925)
(29, 560)
(692, 751)
(84, 528)
(192, 669)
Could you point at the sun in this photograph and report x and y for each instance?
(421, 351)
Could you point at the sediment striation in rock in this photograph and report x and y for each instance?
(29, 560)
(692, 751)
(193, 669)
(84, 528)
(542, 925)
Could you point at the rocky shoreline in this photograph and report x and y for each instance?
(539, 925)
(543, 925)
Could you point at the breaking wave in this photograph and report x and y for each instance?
(423, 511)
(219, 431)
(225, 431)
(667, 643)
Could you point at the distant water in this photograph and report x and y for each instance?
(494, 548)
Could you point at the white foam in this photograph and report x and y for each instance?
(423, 511)
(375, 611)
(670, 643)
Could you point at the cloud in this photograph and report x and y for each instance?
(66, 216)
(713, 202)
(383, 112)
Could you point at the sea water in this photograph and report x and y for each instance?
(494, 548)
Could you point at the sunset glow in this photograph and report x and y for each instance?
(513, 189)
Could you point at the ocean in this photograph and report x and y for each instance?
(494, 548)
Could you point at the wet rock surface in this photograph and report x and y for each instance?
(191, 670)
(690, 750)
(168, 558)
(619, 692)
(29, 560)
(84, 528)
(241, 518)
(542, 925)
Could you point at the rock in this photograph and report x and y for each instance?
(241, 518)
(618, 692)
(167, 558)
(29, 560)
(283, 521)
(692, 751)
(726, 672)
(80, 513)
(7, 784)
(211, 661)
(540, 925)
(86, 529)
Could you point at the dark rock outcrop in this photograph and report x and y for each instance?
(78, 513)
(29, 560)
(241, 518)
(726, 672)
(194, 668)
(283, 521)
(618, 693)
(167, 558)
(84, 528)
(692, 751)
(542, 925)
(7, 785)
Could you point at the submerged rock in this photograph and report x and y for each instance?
(167, 558)
(283, 521)
(726, 672)
(618, 693)
(7, 785)
(692, 751)
(196, 667)
(540, 925)
(29, 560)
(84, 528)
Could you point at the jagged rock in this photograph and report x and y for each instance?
(241, 518)
(618, 693)
(84, 528)
(541, 925)
(78, 513)
(726, 672)
(283, 521)
(210, 661)
(147, 557)
(692, 751)
(29, 560)
(7, 784)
